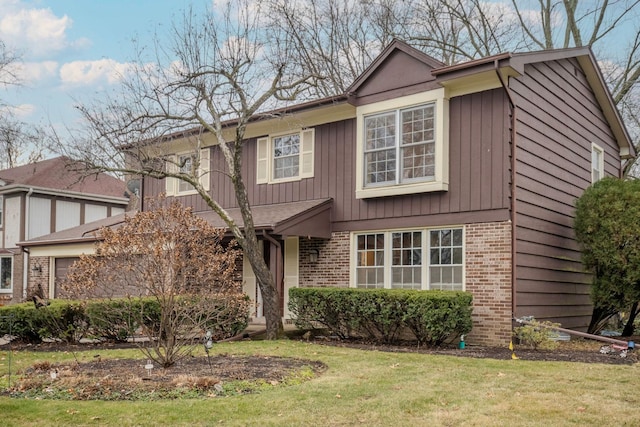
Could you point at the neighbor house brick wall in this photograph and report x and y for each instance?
(332, 267)
(38, 277)
(488, 277)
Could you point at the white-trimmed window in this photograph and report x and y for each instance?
(188, 163)
(285, 157)
(6, 274)
(1, 211)
(409, 259)
(402, 145)
(597, 163)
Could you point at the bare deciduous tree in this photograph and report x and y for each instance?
(221, 70)
(19, 142)
(178, 260)
(460, 30)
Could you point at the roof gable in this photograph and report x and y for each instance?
(398, 71)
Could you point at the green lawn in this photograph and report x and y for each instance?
(367, 388)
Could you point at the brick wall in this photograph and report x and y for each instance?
(487, 275)
(332, 267)
(488, 278)
(38, 277)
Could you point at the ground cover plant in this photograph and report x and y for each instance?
(366, 385)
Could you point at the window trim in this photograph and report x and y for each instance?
(388, 249)
(10, 289)
(441, 127)
(595, 148)
(172, 185)
(265, 156)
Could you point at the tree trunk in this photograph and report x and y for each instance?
(629, 328)
(270, 297)
(599, 316)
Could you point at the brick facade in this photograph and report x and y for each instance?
(38, 277)
(332, 267)
(487, 275)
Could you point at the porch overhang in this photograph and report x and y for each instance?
(308, 218)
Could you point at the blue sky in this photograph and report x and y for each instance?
(73, 49)
(70, 48)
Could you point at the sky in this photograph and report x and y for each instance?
(71, 49)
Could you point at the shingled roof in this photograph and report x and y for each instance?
(60, 174)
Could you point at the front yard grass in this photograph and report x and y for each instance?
(364, 388)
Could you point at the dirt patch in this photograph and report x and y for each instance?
(219, 375)
(130, 379)
(579, 351)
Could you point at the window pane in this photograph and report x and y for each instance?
(435, 238)
(5, 273)
(186, 164)
(447, 259)
(457, 255)
(418, 144)
(370, 260)
(286, 156)
(435, 256)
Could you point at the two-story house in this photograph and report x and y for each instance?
(425, 176)
(44, 197)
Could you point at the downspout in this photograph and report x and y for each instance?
(280, 286)
(512, 106)
(25, 254)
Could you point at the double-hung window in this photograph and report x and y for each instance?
(285, 157)
(402, 145)
(6, 274)
(193, 163)
(410, 259)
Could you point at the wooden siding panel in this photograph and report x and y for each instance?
(478, 172)
(558, 119)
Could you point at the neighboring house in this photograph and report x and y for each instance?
(425, 176)
(41, 198)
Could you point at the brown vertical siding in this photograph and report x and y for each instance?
(558, 119)
(478, 174)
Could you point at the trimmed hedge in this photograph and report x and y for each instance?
(383, 315)
(63, 320)
(113, 319)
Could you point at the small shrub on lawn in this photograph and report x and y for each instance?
(383, 314)
(537, 335)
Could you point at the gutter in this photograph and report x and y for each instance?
(25, 253)
(512, 106)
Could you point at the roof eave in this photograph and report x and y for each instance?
(22, 188)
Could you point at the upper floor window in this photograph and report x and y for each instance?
(190, 163)
(286, 157)
(6, 274)
(402, 145)
(597, 163)
(1, 211)
(409, 259)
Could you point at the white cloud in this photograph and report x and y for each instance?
(19, 111)
(37, 31)
(92, 72)
(31, 72)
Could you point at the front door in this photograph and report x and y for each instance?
(290, 269)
